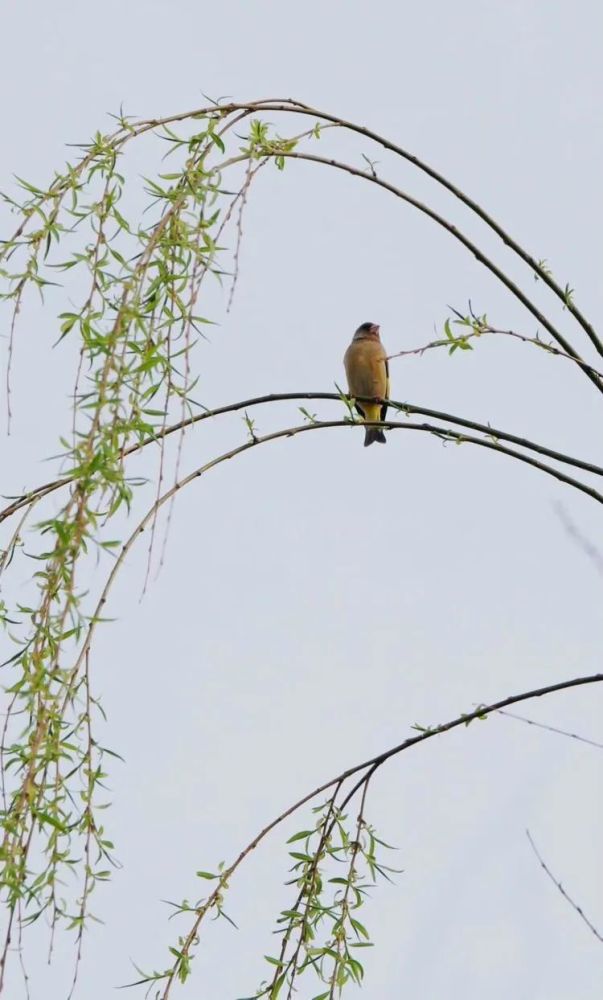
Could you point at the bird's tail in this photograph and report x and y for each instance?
(373, 434)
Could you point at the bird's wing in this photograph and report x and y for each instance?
(363, 364)
(384, 407)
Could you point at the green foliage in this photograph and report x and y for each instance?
(136, 322)
(458, 342)
(334, 867)
(131, 301)
(136, 326)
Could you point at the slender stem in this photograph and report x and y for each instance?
(368, 765)
(374, 763)
(565, 895)
(482, 331)
(552, 729)
(444, 434)
(458, 235)
(289, 105)
(536, 266)
(244, 404)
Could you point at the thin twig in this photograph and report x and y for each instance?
(410, 408)
(339, 944)
(458, 235)
(90, 778)
(589, 549)
(11, 347)
(541, 272)
(20, 950)
(289, 432)
(123, 135)
(568, 899)
(549, 348)
(368, 765)
(6, 555)
(553, 729)
(292, 964)
(249, 174)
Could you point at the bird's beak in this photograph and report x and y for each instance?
(375, 329)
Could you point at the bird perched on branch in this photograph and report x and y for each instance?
(367, 373)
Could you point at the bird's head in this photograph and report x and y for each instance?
(367, 331)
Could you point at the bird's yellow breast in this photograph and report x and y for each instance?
(366, 369)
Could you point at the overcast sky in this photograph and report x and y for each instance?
(317, 598)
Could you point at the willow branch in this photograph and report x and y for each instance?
(372, 176)
(290, 105)
(133, 130)
(369, 766)
(567, 898)
(475, 334)
(552, 729)
(458, 235)
(542, 273)
(255, 442)
(409, 408)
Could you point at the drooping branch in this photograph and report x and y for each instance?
(567, 349)
(233, 112)
(129, 130)
(538, 268)
(552, 729)
(71, 682)
(368, 767)
(496, 331)
(130, 325)
(578, 909)
(441, 433)
(408, 408)
(515, 290)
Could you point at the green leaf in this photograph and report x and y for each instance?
(278, 985)
(45, 817)
(359, 928)
(70, 319)
(302, 835)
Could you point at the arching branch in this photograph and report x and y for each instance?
(443, 434)
(460, 236)
(368, 767)
(174, 245)
(408, 408)
(536, 266)
(482, 331)
(578, 909)
(289, 105)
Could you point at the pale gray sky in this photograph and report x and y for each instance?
(318, 599)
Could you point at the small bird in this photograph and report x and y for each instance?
(367, 373)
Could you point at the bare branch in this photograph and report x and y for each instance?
(589, 549)
(549, 348)
(458, 235)
(537, 267)
(409, 408)
(552, 729)
(289, 105)
(368, 767)
(568, 899)
(442, 433)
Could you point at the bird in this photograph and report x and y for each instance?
(367, 372)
